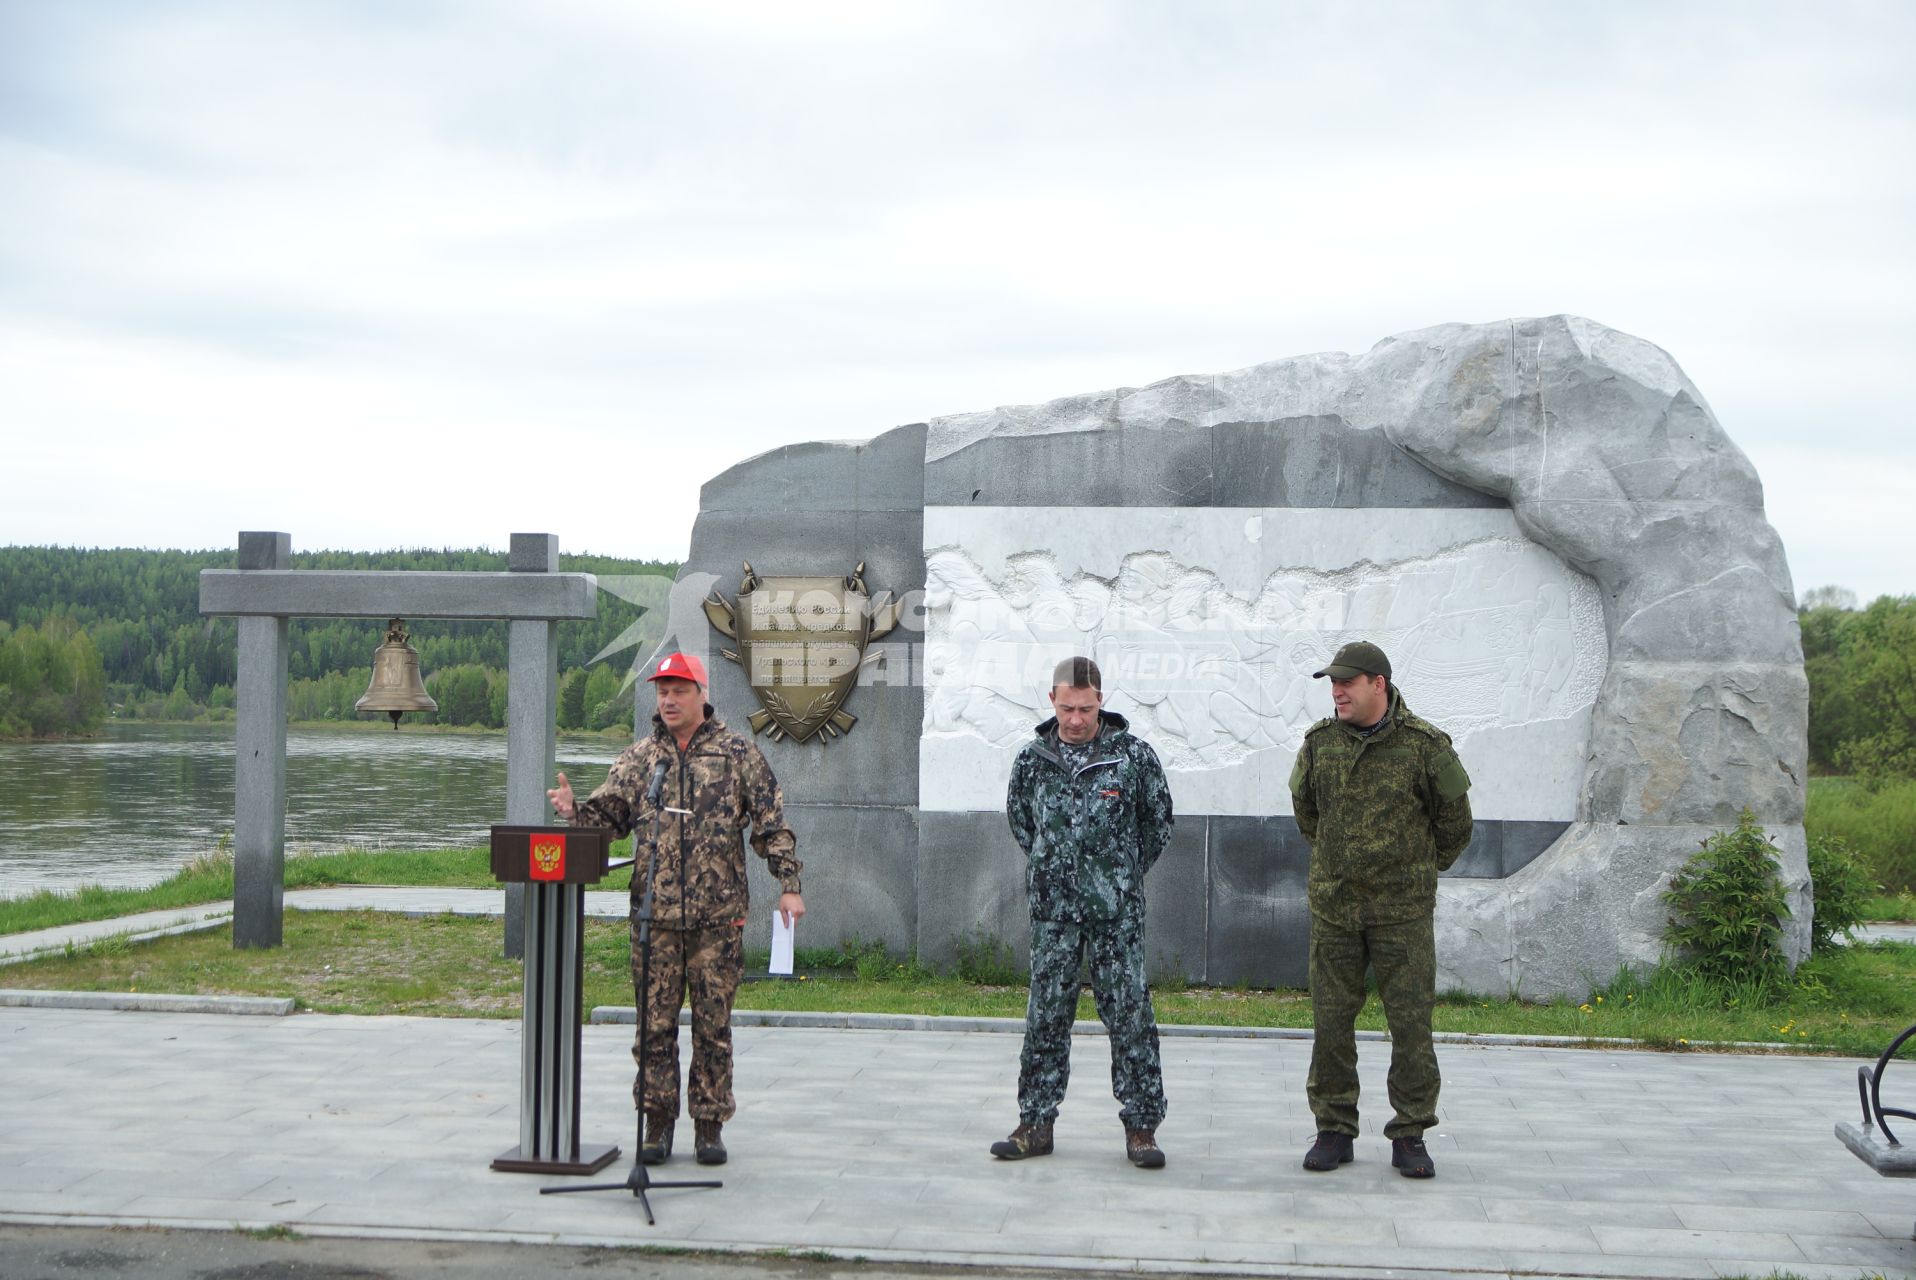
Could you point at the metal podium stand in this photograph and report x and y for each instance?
(555, 864)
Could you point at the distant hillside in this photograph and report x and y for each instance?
(141, 611)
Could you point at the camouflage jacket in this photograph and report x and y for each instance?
(1092, 832)
(722, 779)
(1383, 815)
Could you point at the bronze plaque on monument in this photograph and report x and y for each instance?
(802, 642)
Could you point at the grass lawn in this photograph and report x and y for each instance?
(1853, 1002)
(210, 879)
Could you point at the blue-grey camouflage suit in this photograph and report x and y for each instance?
(1092, 819)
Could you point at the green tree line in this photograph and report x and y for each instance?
(138, 610)
(1861, 665)
(51, 681)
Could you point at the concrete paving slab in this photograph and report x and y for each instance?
(1562, 1263)
(372, 1125)
(1847, 1250)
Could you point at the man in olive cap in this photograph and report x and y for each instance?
(1385, 804)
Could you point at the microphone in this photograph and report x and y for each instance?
(653, 792)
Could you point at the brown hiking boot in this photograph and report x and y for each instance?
(658, 1137)
(706, 1143)
(1026, 1140)
(1141, 1145)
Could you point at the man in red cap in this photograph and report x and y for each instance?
(715, 783)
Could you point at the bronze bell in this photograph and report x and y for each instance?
(396, 687)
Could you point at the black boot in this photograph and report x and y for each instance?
(1329, 1151)
(706, 1141)
(1411, 1158)
(658, 1137)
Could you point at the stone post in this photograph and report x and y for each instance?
(259, 769)
(532, 707)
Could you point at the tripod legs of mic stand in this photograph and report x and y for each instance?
(638, 1182)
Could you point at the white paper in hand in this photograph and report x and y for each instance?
(781, 944)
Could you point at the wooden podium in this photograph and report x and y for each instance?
(555, 864)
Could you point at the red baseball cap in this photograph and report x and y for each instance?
(680, 666)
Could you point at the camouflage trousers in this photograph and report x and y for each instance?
(1404, 958)
(705, 965)
(1116, 948)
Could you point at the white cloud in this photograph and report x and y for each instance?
(540, 244)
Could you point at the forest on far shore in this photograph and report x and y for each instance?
(87, 635)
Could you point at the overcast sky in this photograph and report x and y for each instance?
(422, 274)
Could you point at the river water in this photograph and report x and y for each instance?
(129, 807)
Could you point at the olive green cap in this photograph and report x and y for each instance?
(1358, 658)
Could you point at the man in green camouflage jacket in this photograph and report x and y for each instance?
(716, 783)
(1089, 805)
(1385, 804)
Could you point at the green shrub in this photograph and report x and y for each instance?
(1841, 889)
(1727, 909)
(1878, 822)
(987, 959)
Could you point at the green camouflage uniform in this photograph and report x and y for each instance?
(699, 896)
(1383, 815)
(1091, 820)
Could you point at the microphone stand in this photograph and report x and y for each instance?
(639, 1181)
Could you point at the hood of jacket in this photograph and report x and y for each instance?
(1109, 723)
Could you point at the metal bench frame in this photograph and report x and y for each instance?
(1873, 1141)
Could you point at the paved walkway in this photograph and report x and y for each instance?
(1551, 1162)
(402, 899)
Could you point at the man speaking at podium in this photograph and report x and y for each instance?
(708, 784)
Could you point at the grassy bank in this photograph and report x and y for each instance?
(1833, 801)
(371, 963)
(1879, 826)
(210, 879)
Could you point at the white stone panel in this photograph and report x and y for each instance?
(1208, 622)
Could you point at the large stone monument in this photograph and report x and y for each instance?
(1540, 520)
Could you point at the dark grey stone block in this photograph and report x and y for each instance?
(1523, 841)
(395, 593)
(891, 470)
(533, 553)
(816, 476)
(876, 762)
(1483, 857)
(1260, 919)
(1503, 847)
(263, 550)
(859, 881)
(779, 541)
(1293, 462)
(1177, 903)
(1066, 469)
(885, 473)
(971, 881)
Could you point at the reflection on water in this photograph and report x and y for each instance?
(129, 807)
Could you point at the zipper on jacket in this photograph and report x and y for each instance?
(1078, 798)
(685, 802)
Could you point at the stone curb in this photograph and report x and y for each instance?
(1170, 1267)
(144, 935)
(623, 1015)
(139, 1002)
